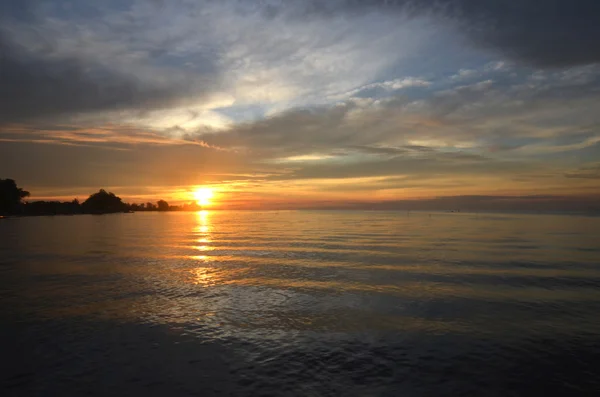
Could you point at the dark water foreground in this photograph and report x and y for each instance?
(300, 303)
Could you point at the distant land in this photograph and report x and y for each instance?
(102, 202)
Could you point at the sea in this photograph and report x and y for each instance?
(300, 303)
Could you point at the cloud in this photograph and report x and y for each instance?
(62, 59)
(552, 33)
(119, 137)
(93, 165)
(507, 111)
(37, 87)
(464, 74)
(389, 150)
(502, 133)
(388, 86)
(284, 62)
(505, 123)
(334, 96)
(588, 171)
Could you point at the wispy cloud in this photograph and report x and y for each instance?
(587, 171)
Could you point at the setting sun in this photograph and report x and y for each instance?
(203, 195)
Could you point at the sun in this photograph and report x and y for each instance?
(203, 195)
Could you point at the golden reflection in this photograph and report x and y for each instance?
(202, 276)
(210, 276)
(203, 215)
(203, 248)
(203, 218)
(203, 229)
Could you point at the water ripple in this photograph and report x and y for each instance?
(301, 303)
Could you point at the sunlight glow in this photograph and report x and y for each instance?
(203, 195)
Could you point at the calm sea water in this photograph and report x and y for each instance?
(300, 303)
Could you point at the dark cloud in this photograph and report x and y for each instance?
(33, 87)
(56, 61)
(549, 33)
(37, 87)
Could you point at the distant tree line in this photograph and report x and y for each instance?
(102, 202)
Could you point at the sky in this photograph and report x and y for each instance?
(304, 103)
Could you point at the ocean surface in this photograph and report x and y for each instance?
(300, 303)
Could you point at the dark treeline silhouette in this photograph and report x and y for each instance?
(102, 202)
(11, 196)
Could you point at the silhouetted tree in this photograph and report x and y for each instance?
(150, 207)
(10, 196)
(162, 205)
(103, 202)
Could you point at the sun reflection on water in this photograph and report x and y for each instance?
(203, 229)
(203, 275)
(203, 219)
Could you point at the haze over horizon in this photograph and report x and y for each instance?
(296, 104)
